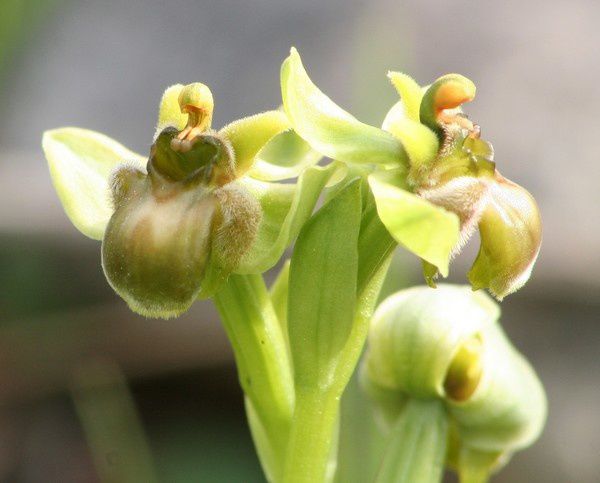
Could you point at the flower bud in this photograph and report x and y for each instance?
(446, 344)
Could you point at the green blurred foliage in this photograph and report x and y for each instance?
(18, 20)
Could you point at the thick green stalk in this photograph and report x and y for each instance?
(417, 446)
(263, 364)
(313, 431)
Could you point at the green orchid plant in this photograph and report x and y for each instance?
(208, 212)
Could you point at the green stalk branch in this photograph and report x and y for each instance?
(263, 364)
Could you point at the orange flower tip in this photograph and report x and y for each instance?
(454, 93)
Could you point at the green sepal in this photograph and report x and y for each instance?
(426, 230)
(285, 209)
(81, 163)
(322, 290)
(285, 156)
(250, 134)
(328, 128)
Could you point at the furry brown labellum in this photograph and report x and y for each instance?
(173, 224)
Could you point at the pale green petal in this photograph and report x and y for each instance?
(169, 112)
(426, 230)
(328, 128)
(81, 163)
(286, 207)
(420, 142)
(250, 134)
(285, 156)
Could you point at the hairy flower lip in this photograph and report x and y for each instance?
(509, 224)
(511, 238)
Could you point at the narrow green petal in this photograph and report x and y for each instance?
(328, 128)
(410, 93)
(424, 229)
(169, 112)
(250, 134)
(285, 156)
(285, 208)
(81, 163)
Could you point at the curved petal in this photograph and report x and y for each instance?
(426, 230)
(81, 163)
(250, 134)
(285, 209)
(511, 236)
(328, 128)
(285, 156)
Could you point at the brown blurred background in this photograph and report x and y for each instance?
(103, 66)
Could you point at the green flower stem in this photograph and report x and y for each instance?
(417, 446)
(262, 359)
(314, 429)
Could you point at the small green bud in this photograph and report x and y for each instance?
(446, 345)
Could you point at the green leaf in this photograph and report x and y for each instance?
(81, 163)
(322, 289)
(285, 156)
(250, 134)
(285, 207)
(417, 447)
(328, 128)
(424, 229)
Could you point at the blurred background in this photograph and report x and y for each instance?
(77, 367)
